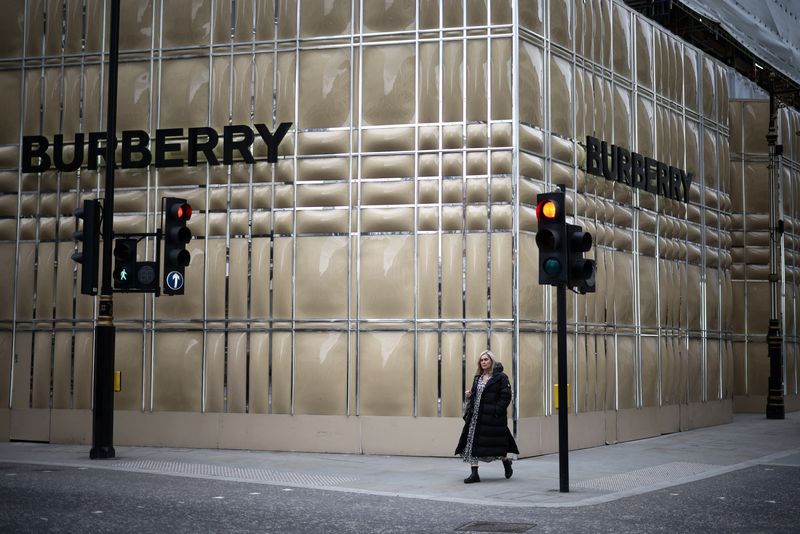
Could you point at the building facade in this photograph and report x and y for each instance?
(337, 299)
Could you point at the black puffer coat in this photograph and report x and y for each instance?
(492, 436)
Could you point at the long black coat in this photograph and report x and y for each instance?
(492, 436)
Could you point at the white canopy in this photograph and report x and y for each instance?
(770, 29)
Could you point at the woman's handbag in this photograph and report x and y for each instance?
(466, 409)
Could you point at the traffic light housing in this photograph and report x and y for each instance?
(581, 272)
(551, 238)
(89, 238)
(125, 267)
(177, 213)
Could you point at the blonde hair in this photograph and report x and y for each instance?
(488, 353)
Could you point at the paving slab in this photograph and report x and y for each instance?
(596, 475)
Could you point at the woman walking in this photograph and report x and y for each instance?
(486, 436)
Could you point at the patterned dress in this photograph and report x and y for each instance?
(473, 422)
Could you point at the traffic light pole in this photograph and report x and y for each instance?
(103, 411)
(563, 410)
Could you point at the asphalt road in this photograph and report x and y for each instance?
(35, 498)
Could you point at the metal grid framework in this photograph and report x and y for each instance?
(252, 212)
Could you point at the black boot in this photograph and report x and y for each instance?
(473, 477)
(507, 467)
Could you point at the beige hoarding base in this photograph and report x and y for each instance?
(420, 436)
(71, 426)
(30, 425)
(758, 403)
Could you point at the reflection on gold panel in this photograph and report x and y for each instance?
(178, 371)
(186, 22)
(281, 372)
(531, 368)
(215, 373)
(128, 361)
(427, 374)
(386, 274)
(82, 388)
(649, 372)
(322, 264)
(61, 395)
(453, 378)
(388, 84)
(386, 373)
(236, 391)
(321, 373)
(476, 286)
(184, 83)
(626, 356)
(324, 88)
(259, 373)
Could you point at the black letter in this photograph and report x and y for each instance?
(686, 178)
(128, 149)
(162, 147)
(243, 145)
(662, 179)
(608, 173)
(206, 148)
(650, 174)
(58, 153)
(674, 183)
(95, 138)
(639, 178)
(272, 140)
(624, 166)
(593, 156)
(29, 153)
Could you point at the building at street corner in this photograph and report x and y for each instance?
(375, 230)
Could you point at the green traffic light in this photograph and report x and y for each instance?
(552, 266)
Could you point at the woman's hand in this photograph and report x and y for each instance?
(468, 393)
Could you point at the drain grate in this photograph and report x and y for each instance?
(645, 477)
(241, 473)
(493, 526)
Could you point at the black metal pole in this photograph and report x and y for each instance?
(103, 413)
(563, 410)
(775, 406)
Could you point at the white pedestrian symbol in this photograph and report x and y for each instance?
(123, 276)
(174, 280)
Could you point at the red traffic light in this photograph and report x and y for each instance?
(182, 212)
(547, 209)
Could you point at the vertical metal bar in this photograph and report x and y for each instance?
(351, 133)
(294, 210)
(14, 289)
(563, 409)
(150, 178)
(515, 227)
(415, 384)
(358, 206)
(440, 224)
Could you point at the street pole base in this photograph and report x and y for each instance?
(101, 453)
(775, 407)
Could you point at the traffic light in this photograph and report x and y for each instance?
(89, 238)
(551, 238)
(581, 270)
(176, 235)
(125, 264)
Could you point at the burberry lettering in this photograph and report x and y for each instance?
(621, 165)
(139, 151)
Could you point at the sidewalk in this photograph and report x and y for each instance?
(596, 475)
